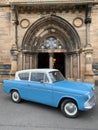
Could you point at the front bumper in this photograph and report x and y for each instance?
(90, 103)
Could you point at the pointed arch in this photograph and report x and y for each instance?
(48, 26)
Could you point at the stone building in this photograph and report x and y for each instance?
(60, 34)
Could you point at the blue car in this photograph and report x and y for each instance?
(48, 86)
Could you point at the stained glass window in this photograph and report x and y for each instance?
(51, 43)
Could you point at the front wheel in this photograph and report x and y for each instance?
(15, 96)
(69, 108)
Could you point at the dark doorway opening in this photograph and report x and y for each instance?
(59, 62)
(43, 60)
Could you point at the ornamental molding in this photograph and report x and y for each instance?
(24, 23)
(64, 1)
(78, 22)
(46, 1)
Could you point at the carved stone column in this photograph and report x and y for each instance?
(71, 66)
(14, 49)
(51, 60)
(78, 68)
(14, 57)
(36, 60)
(89, 75)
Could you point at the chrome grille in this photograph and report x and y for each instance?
(92, 100)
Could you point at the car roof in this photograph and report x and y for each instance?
(37, 70)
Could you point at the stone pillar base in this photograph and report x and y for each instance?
(13, 67)
(89, 77)
(12, 76)
(14, 56)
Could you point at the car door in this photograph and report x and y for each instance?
(39, 88)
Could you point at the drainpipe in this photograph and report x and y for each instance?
(87, 23)
(16, 23)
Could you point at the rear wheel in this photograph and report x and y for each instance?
(69, 108)
(15, 96)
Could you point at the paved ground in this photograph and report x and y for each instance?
(32, 116)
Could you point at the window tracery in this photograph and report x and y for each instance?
(51, 43)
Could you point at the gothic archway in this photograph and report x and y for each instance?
(51, 26)
(51, 34)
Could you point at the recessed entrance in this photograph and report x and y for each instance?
(58, 61)
(43, 60)
(47, 41)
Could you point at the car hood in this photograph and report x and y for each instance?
(73, 85)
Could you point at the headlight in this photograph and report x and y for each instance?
(93, 87)
(88, 94)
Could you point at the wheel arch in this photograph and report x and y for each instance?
(67, 98)
(14, 90)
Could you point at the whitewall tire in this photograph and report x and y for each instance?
(15, 96)
(69, 108)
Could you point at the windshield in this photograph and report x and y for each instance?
(56, 76)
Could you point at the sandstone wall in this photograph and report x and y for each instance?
(5, 34)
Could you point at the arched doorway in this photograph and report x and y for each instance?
(58, 61)
(52, 42)
(53, 59)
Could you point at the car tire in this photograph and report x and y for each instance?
(15, 96)
(69, 108)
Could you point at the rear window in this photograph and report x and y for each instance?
(24, 76)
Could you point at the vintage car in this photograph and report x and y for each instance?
(48, 86)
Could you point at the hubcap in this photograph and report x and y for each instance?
(70, 109)
(15, 96)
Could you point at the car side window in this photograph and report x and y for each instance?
(38, 77)
(46, 79)
(24, 76)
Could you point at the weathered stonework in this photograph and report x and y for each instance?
(28, 23)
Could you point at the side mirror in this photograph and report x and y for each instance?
(41, 81)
